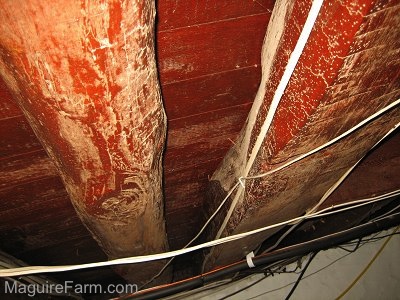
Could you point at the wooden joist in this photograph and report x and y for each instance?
(85, 76)
(347, 71)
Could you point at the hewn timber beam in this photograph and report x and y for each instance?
(348, 70)
(85, 76)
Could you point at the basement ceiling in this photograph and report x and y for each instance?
(209, 63)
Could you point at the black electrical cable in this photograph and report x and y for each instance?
(244, 288)
(267, 272)
(301, 275)
(309, 275)
(301, 249)
(327, 266)
(375, 239)
(352, 250)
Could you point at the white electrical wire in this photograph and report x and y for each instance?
(241, 181)
(197, 235)
(323, 212)
(344, 176)
(145, 258)
(387, 213)
(8, 262)
(295, 55)
(331, 190)
(289, 69)
(327, 144)
(282, 85)
(42, 269)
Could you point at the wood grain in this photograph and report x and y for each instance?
(310, 114)
(173, 14)
(85, 77)
(191, 52)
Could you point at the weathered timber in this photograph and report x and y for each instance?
(85, 76)
(348, 70)
(207, 93)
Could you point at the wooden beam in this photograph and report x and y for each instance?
(85, 76)
(347, 71)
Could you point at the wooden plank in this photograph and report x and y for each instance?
(210, 48)
(185, 193)
(8, 108)
(45, 195)
(196, 139)
(180, 235)
(377, 174)
(40, 225)
(35, 235)
(211, 92)
(174, 14)
(17, 137)
(185, 186)
(27, 196)
(193, 144)
(73, 251)
(26, 168)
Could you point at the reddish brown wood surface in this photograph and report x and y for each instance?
(85, 77)
(336, 84)
(377, 174)
(212, 49)
(205, 94)
(173, 14)
(208, 95)
(194, 101)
